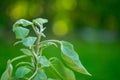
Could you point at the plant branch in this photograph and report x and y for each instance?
(37, 44)
(35, 72)
(34, 29)
(19, 57)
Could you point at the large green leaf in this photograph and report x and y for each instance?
(40, 75)
(43, 61)
(22, 71)
(29, 41)
(40, 21)
(8, 72)
(72, 58)
(26, 51)
(20, 32)
(22, 22)
(58, 68)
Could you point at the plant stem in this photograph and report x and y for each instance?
(35, 64)
(37, 44)
(34, 29)
(35, 72)
(19, 57)
(35, 53)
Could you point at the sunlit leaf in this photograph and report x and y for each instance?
(20, 32)
(72, 58)
(27, 52)
(8, 72)
(61, 70)
(40, 75)
(22, 22)
(29, 41)
(40, 21)
(22, 71)
(43, 61)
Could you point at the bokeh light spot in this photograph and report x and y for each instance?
(60, 28)
(69, 4)
(18, 10)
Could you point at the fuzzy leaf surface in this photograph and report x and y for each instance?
(22, 71)
(26, 52)
(8, 72)
(22, 22)
(61, 70)
(20, 32)
(43, 60)
(29, 41)
(40, 75)
(71, 58)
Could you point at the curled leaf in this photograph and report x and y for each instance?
(8, 72)
(72, 58)
(22, 22)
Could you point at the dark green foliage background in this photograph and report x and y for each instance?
(94, 30)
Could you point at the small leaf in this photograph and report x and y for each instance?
(22, 71)
(43, 60)
(72, 58)
(64, 72)
(40, 75)
(8, 72)
(40, 21)
(22, 22)
(29, 41)
(26, 51)
(20, 32)
(47, 43)
(5, 75)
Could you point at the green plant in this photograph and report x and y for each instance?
(39, 66)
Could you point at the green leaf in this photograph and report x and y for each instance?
(26, 51)
(22, 71)
(8, 72)
(40, 21)
(20, 32)
(22, 22)
(61, 70)
(40, 75)
(43, 61)
(72, 58)
(51, 79)
(29, 41)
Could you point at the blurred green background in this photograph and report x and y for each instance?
(93, 26)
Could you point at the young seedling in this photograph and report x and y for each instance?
(39, 66)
